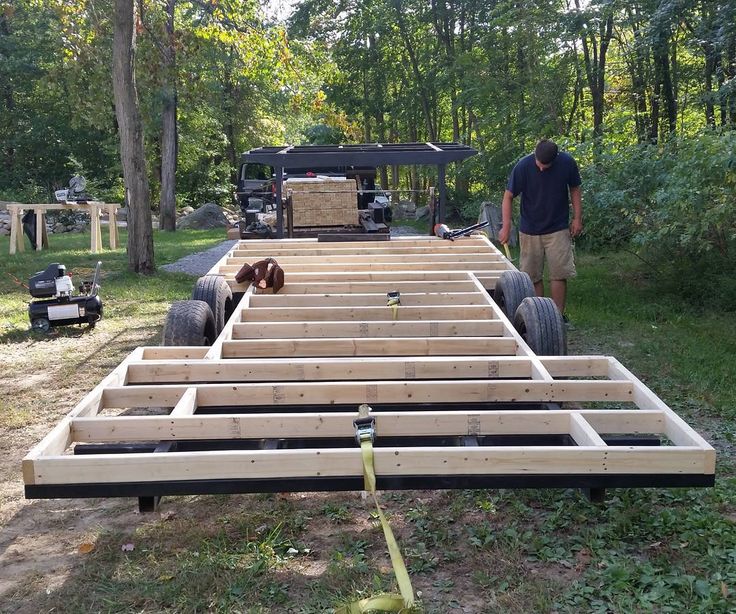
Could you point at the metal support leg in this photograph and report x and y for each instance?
(594, 495)
(151, 504)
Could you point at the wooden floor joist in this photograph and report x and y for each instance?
(458, 398)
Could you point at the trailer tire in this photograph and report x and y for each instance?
(189, 323)
(215, 291)
(511, 289)
(540, 324)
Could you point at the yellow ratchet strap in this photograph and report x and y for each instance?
(394, 300)
(365, 433)
(507, 250)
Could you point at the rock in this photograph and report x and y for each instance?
(207, 216)
(122, 213)
(421, 213)
(187, 210)
(4, 231)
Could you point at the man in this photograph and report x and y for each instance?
(548, 180)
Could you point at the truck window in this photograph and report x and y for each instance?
(253, 171)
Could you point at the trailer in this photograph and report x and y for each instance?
(458, 396)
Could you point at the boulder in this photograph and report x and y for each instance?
(187, 210)
(421, 213)
(207, 216)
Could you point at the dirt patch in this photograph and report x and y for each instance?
(43, 377)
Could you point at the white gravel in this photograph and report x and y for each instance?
(201, 262)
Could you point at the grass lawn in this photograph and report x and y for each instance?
(655, 550)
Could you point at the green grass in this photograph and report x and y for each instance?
(644, 550)
(682, 350)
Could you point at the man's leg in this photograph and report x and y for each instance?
(558, 250)
(558, 290)
(532, 260)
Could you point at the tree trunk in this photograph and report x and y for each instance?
(167, 213)
(7, 94)
(140, 233)
(595, 66)
(663, 56)
(710, 67)
(420, 82)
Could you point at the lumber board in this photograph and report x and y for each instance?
(255, 245)
(174, 352)
(187, 404)
(386, 346)
(368, 287)
(366, 300)
(377, 391)
(340, 424)
(377, 328)
(428, 259)
(366, 314)
(576, 366)
(328, 268)
(348, 462)
(583, 433)
(311, 369)
(341, 249)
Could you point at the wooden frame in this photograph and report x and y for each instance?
(94, 209)
(458, 396)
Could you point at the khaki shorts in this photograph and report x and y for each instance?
(556, 247)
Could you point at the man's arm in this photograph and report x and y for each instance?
(576, 196)
(506, 205)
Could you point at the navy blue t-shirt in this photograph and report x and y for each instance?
(545, 198)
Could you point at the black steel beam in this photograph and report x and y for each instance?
(218, 487)
(376, 408)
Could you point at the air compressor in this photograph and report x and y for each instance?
(58, 306)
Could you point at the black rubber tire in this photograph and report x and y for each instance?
(511, 289)
(189, 323)
(540, 324)
(214, 290)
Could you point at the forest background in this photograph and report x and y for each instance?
(642, 92)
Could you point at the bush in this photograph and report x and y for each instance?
(677, 197)
(674, 204)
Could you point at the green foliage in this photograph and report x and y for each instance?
(673, 203)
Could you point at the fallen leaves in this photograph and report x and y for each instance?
(85, 548)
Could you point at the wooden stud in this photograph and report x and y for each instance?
(383, 391)
(40, 223)
(334, 462)
(317, 369)
(379, 328)
(387, 346)
(367, 314)
(365, 300)
(340, 424)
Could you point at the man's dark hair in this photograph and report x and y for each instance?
(546, 151)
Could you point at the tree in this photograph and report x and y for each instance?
(169, 138)
(130, 129)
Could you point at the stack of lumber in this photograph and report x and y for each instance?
(323, 201)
